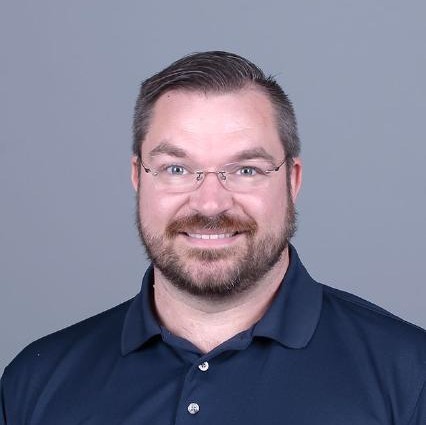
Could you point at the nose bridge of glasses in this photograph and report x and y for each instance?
(202, 175)
(210, 197)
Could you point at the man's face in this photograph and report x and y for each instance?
(212, 241)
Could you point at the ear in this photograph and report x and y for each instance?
(296, 177)
(135, 172)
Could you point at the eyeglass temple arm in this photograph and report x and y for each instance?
(147, 170)
(280, 165)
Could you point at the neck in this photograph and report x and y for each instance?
(207, 323)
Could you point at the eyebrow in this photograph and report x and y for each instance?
(168, 149)
(253, 153)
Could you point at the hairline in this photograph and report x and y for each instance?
(248, 85)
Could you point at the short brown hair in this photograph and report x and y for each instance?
(214, 72)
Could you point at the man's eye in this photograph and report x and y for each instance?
(176, 170)
(247, 171)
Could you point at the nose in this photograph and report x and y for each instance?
(211, 197)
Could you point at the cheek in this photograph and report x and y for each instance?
(268, 209)
(157, 209)
(278, 204)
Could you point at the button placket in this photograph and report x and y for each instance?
(192, 391)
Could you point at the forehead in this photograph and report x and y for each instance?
(214, 126)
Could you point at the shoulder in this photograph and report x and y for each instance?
(357, 312)
(384, 348)
(85, 338)
(388, 344)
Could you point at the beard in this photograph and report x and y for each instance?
(220, 272)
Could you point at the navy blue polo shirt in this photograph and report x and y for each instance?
(318, 356)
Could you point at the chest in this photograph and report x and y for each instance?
(256, 386)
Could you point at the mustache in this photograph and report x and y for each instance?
(223, 222)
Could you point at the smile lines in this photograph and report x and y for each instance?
(204, 236)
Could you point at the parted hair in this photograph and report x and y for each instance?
(215, 72)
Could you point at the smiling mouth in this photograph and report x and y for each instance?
(211, 236)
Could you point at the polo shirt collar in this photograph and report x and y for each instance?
(291, 319)
(294, 314)
(140, 324)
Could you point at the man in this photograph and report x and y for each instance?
(228, 328)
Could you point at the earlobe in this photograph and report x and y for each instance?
(296, 177)
(135, 172)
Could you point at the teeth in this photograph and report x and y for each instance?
(202, 236)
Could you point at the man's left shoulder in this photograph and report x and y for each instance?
(390, 351)
(372, 324)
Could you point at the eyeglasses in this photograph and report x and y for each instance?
(175, 177)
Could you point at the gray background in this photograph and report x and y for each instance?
(70, 72)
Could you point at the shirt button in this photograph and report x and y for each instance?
(193, 408)
(203, 366)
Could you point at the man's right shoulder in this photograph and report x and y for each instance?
(102, 331)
